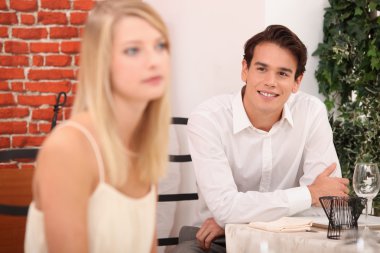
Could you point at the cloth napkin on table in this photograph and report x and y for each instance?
(285, 224)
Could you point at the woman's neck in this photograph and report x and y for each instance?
(128, 117)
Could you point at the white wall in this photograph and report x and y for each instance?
(304, 18)
(208, 38)
(207, 48)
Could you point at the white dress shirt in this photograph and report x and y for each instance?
(245, 174)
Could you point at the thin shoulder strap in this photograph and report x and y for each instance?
(93, 144)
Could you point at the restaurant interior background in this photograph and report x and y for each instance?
(41, 58)
(208, 39)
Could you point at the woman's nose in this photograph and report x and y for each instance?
(154, 58)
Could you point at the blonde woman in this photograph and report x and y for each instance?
(95, 181)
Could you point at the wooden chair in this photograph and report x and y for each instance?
(15, 196)
(16, 192)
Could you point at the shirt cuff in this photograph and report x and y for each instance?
(299, 199)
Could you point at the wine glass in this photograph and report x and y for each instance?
(366, 183)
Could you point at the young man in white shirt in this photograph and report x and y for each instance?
(266, 151)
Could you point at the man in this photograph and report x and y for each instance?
(266, 151)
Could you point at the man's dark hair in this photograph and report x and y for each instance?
(284, 38)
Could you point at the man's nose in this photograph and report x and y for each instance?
(270, 79)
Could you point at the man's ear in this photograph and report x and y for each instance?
(244, 71)
(297, 83)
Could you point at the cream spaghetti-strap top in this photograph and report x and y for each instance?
(116, 222)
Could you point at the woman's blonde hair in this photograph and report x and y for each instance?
(149, 144)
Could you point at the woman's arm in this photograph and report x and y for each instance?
(64, 181)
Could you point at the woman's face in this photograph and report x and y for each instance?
(140, 61)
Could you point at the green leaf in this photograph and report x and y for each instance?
(372, 51)
(329, 104)
(372, 6)
(358, 11)
(375, 63)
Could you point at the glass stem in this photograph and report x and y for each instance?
(367, 206)
(366, 214)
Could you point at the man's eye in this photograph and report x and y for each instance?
(284, 74)
(131, 51)
(261, 69)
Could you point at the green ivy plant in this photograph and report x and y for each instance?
(349, 77)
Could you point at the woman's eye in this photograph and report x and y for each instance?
(131, 51)
(161, 46)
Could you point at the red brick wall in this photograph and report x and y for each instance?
(39, 45)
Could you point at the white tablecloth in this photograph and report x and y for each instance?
(243, 239)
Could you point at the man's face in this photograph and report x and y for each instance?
(270, 80)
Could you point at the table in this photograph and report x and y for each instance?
(240, 238)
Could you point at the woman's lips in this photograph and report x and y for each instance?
(154, 80)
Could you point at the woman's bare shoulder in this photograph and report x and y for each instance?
(66, 160)
(65, 143)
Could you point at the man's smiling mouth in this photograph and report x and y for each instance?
(267, 94)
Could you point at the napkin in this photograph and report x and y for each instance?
(285, 224)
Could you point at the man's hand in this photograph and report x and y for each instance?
(208, 232)
(324, 185)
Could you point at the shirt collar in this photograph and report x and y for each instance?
(286, 113)
(240, 117)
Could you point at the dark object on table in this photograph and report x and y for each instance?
(342, 212)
